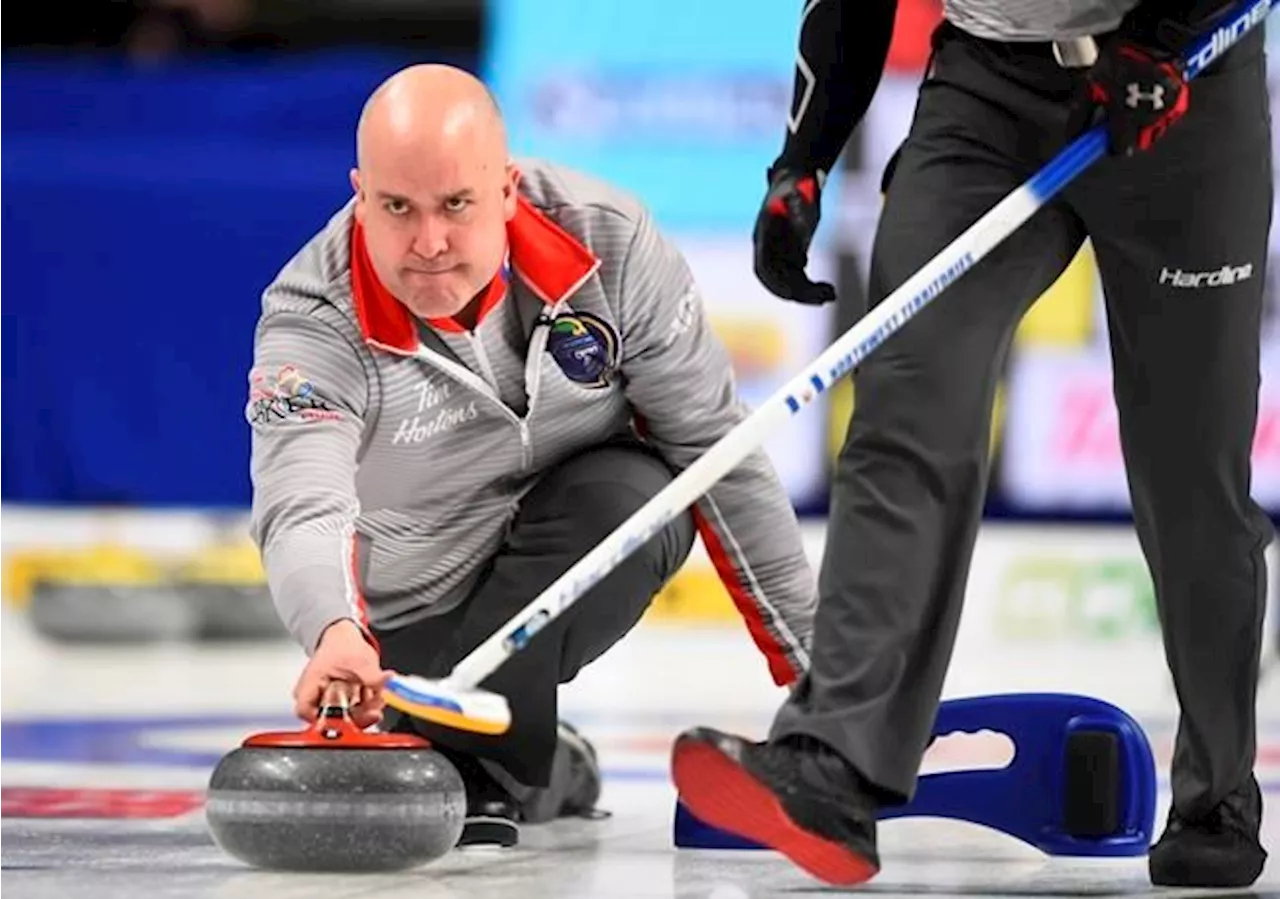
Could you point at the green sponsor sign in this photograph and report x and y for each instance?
(1059, 597)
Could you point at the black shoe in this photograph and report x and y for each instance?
(574, 789)
(1219, 850)
(491, 811)
(795, 795)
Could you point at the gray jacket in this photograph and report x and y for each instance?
(389, 459)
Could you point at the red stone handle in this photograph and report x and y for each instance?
(334, 729)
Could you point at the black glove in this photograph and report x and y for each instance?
(1142, 91)
(784, 229)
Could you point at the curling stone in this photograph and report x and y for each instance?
(334, 798)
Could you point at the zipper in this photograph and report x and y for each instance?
(486, 367)
(526, 439)
(533, 378)
(487, 385)
(526, 445)
(533, 361)
(468, 378)
(459, 373)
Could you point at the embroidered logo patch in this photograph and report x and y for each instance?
(284, 395)
(584, 346)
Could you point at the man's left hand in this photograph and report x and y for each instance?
(1141, 89)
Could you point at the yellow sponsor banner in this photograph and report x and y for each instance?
(119, 565)
(1064, 315)
(757, 345)
(696, 593)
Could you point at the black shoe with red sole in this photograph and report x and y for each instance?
(796, 796)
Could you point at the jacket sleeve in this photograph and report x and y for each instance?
(840, 59)
(680, 383)
(307, 401)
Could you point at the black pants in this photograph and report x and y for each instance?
(574, 506)
(910, 481)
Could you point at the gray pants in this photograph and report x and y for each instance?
(573, 507)
(910, 481)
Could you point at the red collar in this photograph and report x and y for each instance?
(551, 261)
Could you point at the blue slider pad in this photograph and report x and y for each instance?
(1029, 798)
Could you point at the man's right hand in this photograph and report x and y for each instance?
(343, 654)
(784, 230)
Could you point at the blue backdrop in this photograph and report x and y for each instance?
(143, 213)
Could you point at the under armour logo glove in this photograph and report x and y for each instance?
(1141, 90)
(784, 230)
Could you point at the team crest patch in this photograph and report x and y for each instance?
(584, 346)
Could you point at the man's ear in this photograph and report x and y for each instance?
(510, 191)
(359, 192)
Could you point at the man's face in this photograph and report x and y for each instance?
(435, 228)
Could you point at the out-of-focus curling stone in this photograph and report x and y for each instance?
(110, 594)
(236, 612)
(335, 798)
(111, 614)
(226, 580)
(1082, 781)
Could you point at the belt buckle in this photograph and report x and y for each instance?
(1076, 53)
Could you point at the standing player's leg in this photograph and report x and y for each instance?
(1181, 234)
(908, 488)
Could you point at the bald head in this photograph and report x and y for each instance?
(430, 109)
(434, 188)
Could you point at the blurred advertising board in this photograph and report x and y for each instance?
(1056, 437)
(1060, 449)
(1061, 444)
(1060, 441)
(684, 105)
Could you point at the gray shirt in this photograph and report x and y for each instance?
(1036, 20)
